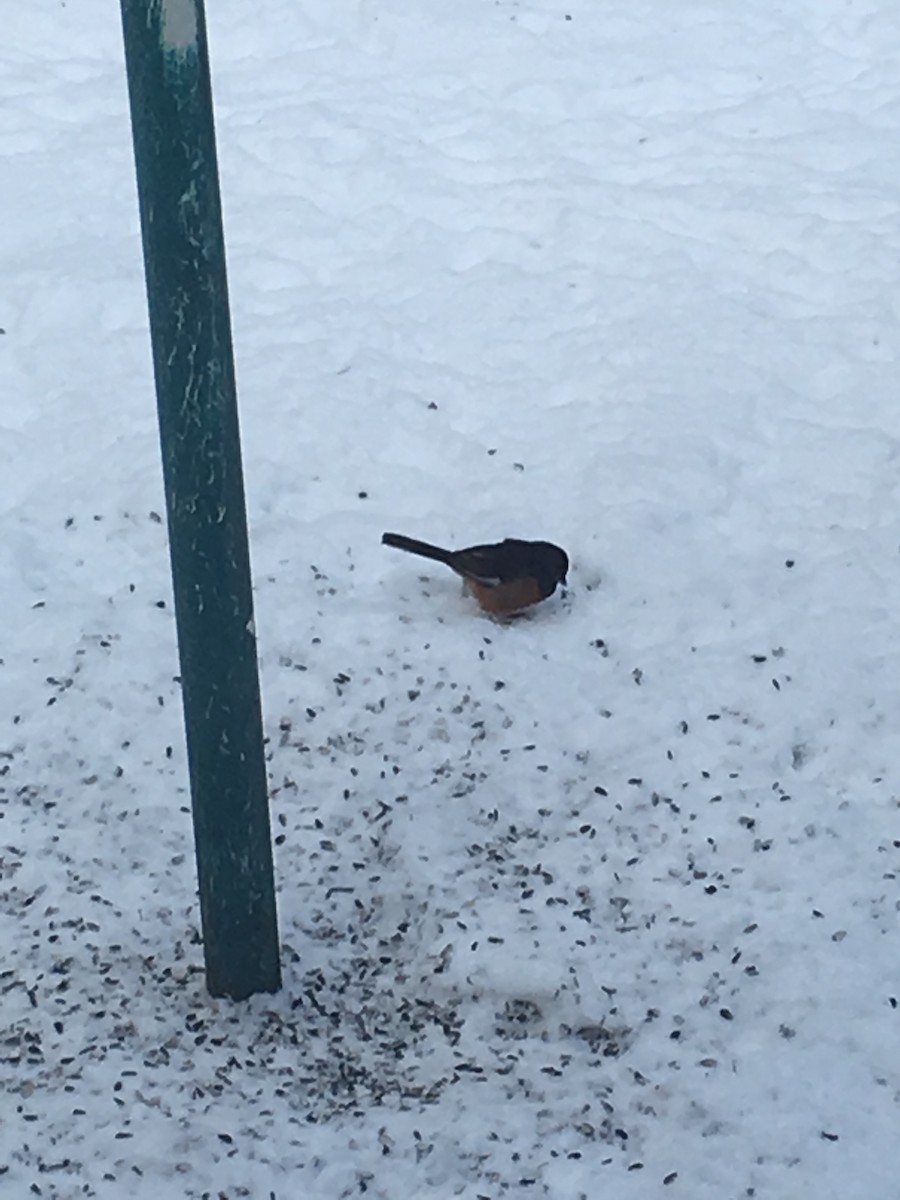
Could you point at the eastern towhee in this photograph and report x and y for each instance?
(505, 577)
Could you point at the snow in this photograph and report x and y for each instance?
(600, 902)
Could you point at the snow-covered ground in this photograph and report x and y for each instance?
(602, 903)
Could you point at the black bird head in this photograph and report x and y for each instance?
(553, 566)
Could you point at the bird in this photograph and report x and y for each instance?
(504, 577)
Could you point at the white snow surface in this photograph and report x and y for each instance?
(599, 903)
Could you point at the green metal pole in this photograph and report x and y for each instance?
(184, 257)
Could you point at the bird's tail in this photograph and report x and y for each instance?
(412, 546)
